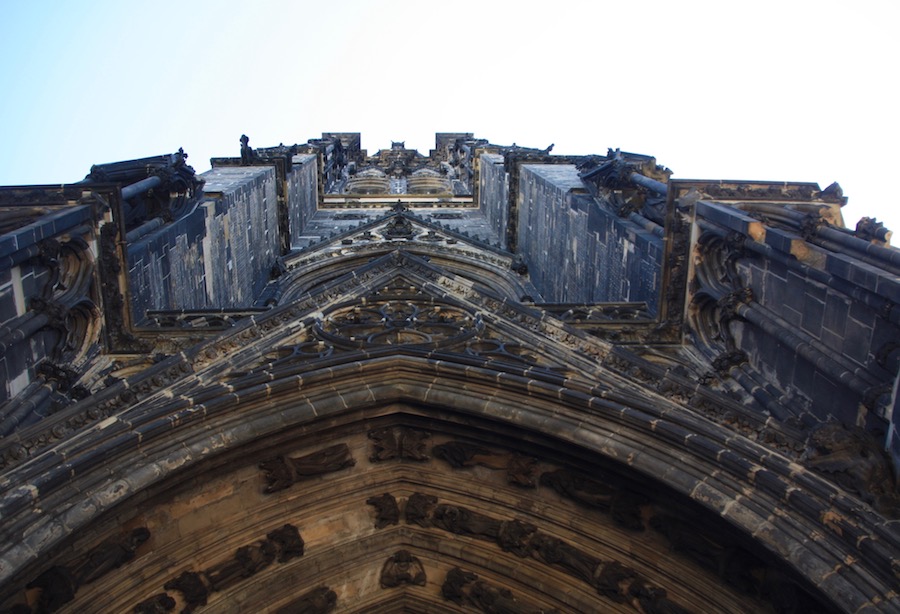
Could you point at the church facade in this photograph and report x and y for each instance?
(486, 379)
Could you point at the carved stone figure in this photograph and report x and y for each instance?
(520, 471)
(418, 508)
(386, 510)
(464, 588)
(282, 472)
(320, 600)
(247, 153)
(514, 536)
(612, 580)
(492, 599)
(461, 454)
(109, 555)
(453, 587)
(58, 587)
(462, 521)
(224, 575)
(288, 541)
(157, 604)
(255, 557)
(247, 561)
(398, 228)
(191, 585)
(401, 442)
(572, 560)
(402, 568)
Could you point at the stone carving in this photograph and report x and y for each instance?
(490, 598)
(255, 557)
(398, 228)
(418, 509)
(462, 521)
(58, 587)
(460, 454)
(157, 604)
(519, 468)
(281, 544)
(402, 568)
(453, 587)
(59, 584)
(623, 507)
(192, 587)
(855, 461)
(282, 472)
(613, 579)
(729, 304)
(288, 542)
(247, 153)
(586, 491)
(514, 537)
(727, 360)
(320, 600)
(465, 589)
(556, 552)
(109, 555)
(400, 443)
(870, 229)
(387, 511)
(247, 561)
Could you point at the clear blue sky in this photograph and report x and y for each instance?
(790, 90)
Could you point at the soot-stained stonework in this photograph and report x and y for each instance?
(488, 376)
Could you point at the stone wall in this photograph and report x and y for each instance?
(493, 194)
(46, 286)
(302, 194)
(578, 252)
(220, 254)
(819, 326)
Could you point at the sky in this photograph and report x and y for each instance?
(782, 91)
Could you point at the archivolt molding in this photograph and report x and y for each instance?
(741, 481)
(486, 523)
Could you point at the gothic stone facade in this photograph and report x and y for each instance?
(489, 379)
